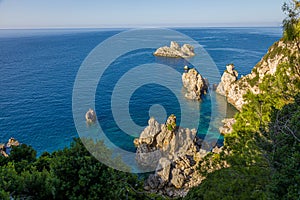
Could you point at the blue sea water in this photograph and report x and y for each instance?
(38, 69)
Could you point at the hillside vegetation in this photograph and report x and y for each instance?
(263, 150)
(260, 158)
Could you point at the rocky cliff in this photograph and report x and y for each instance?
(234, 89)
(229, 77)
(175, 51)
(194, 84)
(175, 153)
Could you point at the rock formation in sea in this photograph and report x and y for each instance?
(195, 84)
(175, 51)
(234, 89)
(90, 116)
(229, 76)
(175, 153)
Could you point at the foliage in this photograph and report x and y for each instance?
(291, 23)
(71, 173)
(232, 183)
(170, 128)
(269, 169)
(22, 156)
(281, 147)
(263, 151)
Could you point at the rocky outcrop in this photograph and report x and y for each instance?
(174, 152)
(194, 84)
(90, 116)
(228, 78)
(227, 126)
(234, 89)
(4, 148)
(175, 51)
(12, 142)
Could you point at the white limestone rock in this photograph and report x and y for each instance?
(173, 152)
(90, 116)
(194, 84)
(175, 51)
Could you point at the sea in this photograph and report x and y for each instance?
(39, 69)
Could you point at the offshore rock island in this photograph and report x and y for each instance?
(175, 51)
(175, 152)
(195, 84)
(229, 76)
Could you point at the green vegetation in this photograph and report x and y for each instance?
(263, 151)
(276, 50)
(291, 23)
(253, 81)
(273, 172)
(230, 184)
(281, 148)
(71, 173)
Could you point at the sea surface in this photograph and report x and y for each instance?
(38, 69)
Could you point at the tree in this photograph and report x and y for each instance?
(275, 176)
(71, 173)
(22, 156)
(281, 146)
(291, 23)
(232, 183)
(263, 151)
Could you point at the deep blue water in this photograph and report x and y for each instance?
(38, 69)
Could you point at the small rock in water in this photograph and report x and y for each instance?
(90, 116)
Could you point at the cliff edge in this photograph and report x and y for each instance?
(234, 89)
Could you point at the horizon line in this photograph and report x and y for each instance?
(137, 27)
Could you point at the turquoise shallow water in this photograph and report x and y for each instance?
(38, 69)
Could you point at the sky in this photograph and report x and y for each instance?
(138, 13)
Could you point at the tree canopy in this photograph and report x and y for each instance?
(291, 23)
(264, 147)
(71, 173)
